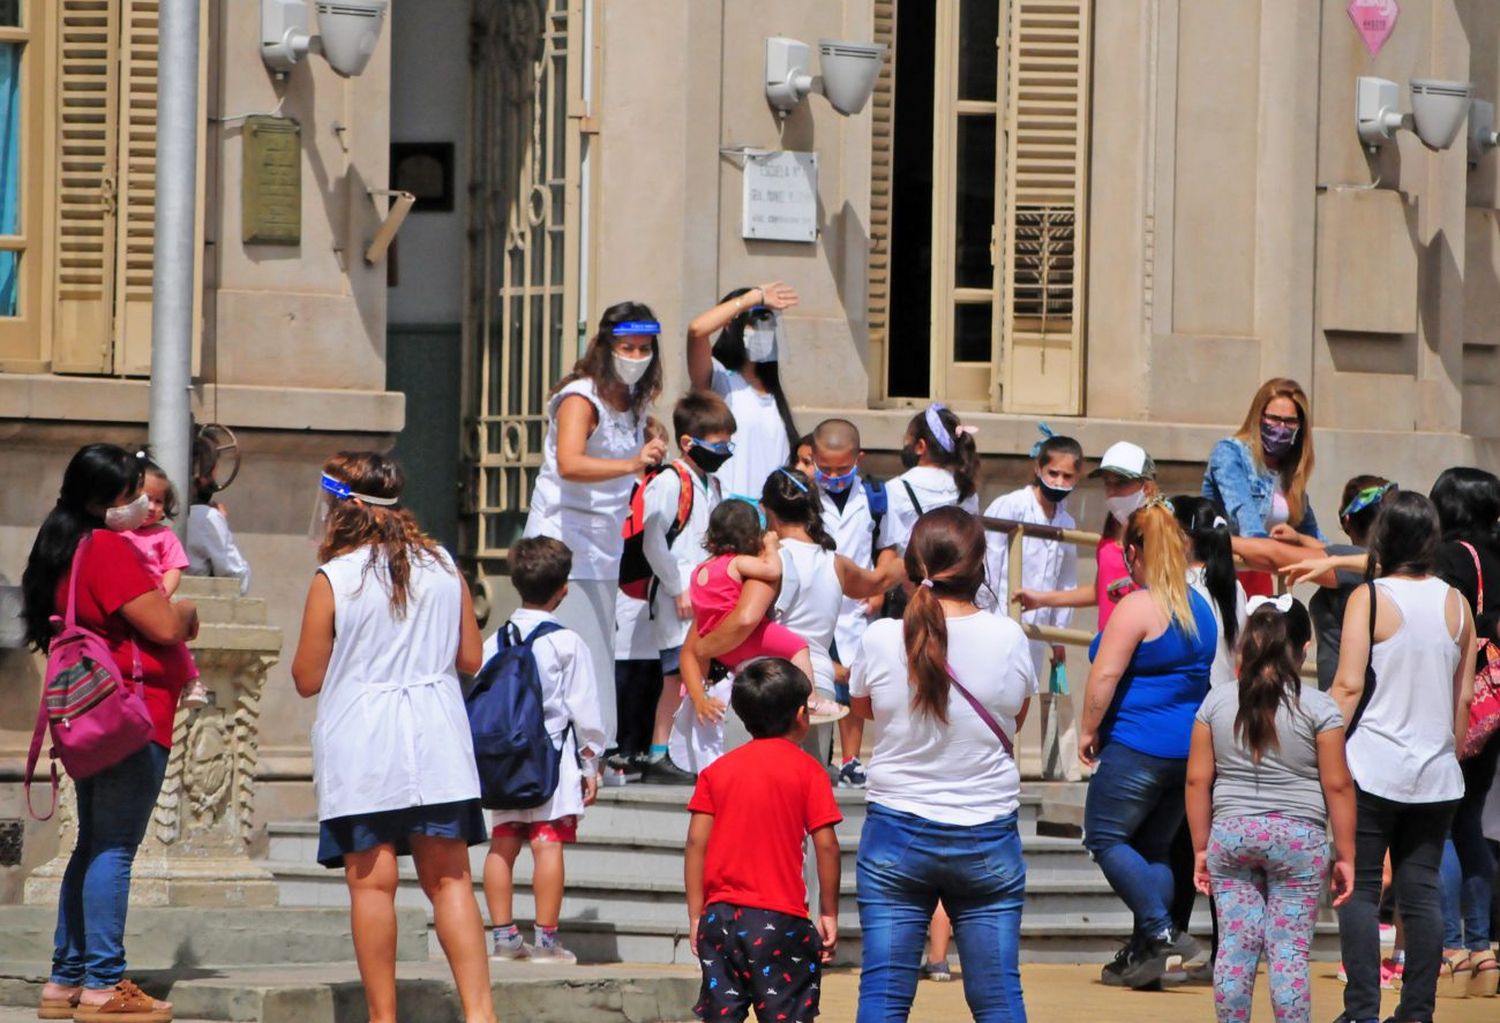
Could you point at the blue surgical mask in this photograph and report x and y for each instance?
(835, 484)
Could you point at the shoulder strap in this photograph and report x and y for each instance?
(912, 496)
(71, 617)
(1369, 690)
(1478, 575)
(33, 755)
(984, 715)
(544, 629)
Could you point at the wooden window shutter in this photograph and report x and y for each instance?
(136, 235)
(1046, 189)
(883, 111)
(83, 267)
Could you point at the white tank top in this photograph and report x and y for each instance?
(391, 730)
(810, 601)
(587, 516)
(1402, 748)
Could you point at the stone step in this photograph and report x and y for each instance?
(424, 991)
(234, 610)
(201, 586)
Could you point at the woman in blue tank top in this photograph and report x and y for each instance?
(1149, 674)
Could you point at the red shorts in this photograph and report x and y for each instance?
(564, 830)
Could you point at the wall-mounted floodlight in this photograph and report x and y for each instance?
(1482, 134)
(347, 33)
(848, 74)
(1438, 109)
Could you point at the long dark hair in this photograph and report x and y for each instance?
(1468, 504)
(385, 529)
(790, 496)
(1405, 538)
(962, 461)
(945, 557)
(1268, 680)
(1207, 528)
(597, 364)
(97, 476)
(729, 349)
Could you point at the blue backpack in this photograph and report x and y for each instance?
(518, 761)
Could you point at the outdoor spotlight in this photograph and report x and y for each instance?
(848, 73)
(347, 33)
(1438, 110)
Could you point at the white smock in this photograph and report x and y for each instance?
(391, 731)
(569, 697)
(1402, 747)
(934, 488)
(760, 443)
(853, 532)
(1045, 565)
(809, 603)
(673, 564)
(211, 549)
(587, 516)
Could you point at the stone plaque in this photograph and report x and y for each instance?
(781, 197)
(271, 191)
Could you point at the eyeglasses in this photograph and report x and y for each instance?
(718, 447)
(1292, 421)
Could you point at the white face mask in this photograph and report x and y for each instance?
(630, 371)
(1122, 507)
(763, 340)
(128, 516)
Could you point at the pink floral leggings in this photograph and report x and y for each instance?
(1267, 875)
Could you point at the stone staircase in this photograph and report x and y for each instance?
(624, 899)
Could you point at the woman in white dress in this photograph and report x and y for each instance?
(596, 447)
(388, 625)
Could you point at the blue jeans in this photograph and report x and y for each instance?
(1466, 904)
(906, 864)
(1468, 873)
(114, 807)
(1134, 808)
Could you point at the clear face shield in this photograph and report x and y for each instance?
(762, 334)
(331, 490)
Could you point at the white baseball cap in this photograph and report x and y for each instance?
(1126, 459)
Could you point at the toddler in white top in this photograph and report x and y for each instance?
(539, 568)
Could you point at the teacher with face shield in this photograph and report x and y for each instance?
(596, 447)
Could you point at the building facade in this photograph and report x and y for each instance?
(1117, 216)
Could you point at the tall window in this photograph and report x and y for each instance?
(21, 136)
(978, 201)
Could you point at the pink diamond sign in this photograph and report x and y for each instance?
(1375, 20)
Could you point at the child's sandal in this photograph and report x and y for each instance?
(1484, 982)
(1453, 976)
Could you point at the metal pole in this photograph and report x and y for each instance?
(172, 281)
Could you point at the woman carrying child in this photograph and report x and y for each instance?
(388, 626)
(1266, 776)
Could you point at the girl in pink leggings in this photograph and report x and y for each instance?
(741, 549)
(1265, 777)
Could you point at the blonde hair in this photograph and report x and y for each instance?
(1155, 532)
(1297, 467)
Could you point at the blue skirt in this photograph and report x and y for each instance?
(360, 832)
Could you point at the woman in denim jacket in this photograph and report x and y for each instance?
(1260, 474)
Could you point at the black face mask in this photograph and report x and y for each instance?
(707, 459)
(909, 457)
(1052, 494)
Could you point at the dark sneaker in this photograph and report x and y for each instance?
(1161, 959)
(664, 772)
(621, 770)
(1110, 975)
(852, 775)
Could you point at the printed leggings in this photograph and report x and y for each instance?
(1267, 875)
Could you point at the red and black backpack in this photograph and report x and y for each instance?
(636, 577)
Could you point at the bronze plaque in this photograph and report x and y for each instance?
(271, 193)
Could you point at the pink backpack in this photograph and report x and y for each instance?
(97, 718)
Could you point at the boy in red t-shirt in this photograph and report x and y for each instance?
(747, 900)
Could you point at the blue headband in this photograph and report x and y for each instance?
(752, 502)
(632, 328)
(1047, 434)
(341, 490)
(795, 481)
(935, 425)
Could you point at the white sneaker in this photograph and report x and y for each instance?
(823, 711)
(508, 951)
(554, 954)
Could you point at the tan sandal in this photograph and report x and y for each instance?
(59, 1008)
(1453, 976)
(128, 1004)
(1484, 982)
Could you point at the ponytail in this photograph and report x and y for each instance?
(1154, 532)
(1268, 680)
(1207, 529)
(945, 557)
(954, 450)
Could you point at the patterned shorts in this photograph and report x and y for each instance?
(564, 830)
(760, 959)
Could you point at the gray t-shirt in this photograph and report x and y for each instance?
(1286, 780)
(1327, 610)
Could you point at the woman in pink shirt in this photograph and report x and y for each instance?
(1129, 478)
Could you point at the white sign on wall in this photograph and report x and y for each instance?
(781, 197)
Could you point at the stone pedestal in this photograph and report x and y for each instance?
(195, 852)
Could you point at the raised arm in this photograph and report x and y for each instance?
(1324, 571)
(1266, 554)
(700, 356)
(576, 420)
